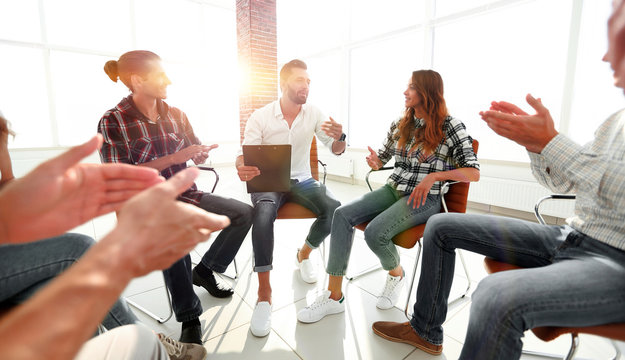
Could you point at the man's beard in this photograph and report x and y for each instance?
(295, 98)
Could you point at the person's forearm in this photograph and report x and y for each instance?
(467, 174)
(162, 163)
(58, 319)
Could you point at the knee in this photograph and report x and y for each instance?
(77, 244)
(495, 299)
(245, 215)
(374, 236)
(264, 210)
(437, 226)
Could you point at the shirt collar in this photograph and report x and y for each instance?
(277, 110)
(128, 106)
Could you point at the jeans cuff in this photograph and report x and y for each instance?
(423, 335)
(310, 245)
(263, 268)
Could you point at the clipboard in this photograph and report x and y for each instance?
(274, 163)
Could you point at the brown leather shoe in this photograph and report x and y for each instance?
(404, 333)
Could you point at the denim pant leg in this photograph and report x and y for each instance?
(266, 205)
(227, 244)
(26, 268)
(316, 197)
(514, 241)
(184, 301)
(397, 218)
(349, 215)
(585, 286)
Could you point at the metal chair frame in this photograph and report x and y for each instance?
(550, 333)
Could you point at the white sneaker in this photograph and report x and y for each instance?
(261, 319)
(391, 292)
(306, 269)
(321, 307)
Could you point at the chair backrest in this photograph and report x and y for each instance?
(314, 165)
(291, 210)
(458, 194)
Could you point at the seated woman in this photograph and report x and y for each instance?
(429, 147)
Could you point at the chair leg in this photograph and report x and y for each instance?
(412, 280)
(160, 320)
(236, 271)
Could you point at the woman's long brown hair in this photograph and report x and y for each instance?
(429, 86)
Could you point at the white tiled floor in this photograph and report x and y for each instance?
(225, 322)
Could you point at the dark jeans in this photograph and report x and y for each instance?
(309, 193)
(185, 302)
(26, 268)
(571, 280)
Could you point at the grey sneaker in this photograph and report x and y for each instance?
(182, 351)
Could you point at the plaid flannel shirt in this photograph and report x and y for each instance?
(131, 138)
(453, 152)
(595, 172)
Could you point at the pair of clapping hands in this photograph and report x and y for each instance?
(62, 193)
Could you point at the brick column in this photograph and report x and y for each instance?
(257, 48)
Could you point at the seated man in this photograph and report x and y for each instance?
(575, 274)
(60, 194)
(289, 120)
(144, 130)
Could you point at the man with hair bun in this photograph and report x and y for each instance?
(144, 130)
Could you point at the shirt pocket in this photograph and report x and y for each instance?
(142, 150)
(174, 143)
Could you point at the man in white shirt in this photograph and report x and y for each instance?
(289, 120)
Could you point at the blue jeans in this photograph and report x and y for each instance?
(178, 277)
(26, 268)
(309, 193)
(388, 213)
(570, 280)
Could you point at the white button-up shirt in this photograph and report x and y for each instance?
(268, 126)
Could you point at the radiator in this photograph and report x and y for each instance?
(518, 195)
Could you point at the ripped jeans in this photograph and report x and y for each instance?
(309, 193)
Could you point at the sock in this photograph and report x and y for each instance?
(190, 323)
(203, 271)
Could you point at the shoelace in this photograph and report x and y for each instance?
(319, 302)
(389, 287)
(173, 347)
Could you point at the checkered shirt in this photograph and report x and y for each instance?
(595, 172)
(454, 151)
(131, 138)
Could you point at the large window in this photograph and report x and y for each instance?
(54, 89)
(485, 50)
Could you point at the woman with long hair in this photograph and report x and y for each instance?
(429, 146)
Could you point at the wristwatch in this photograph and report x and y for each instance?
(342, 138)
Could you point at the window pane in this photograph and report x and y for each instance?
(23, 96)
(83, 92)
(595, 96)
(19, 20)
(307, 27)
(379, 75)
(448, 7)
(171, 29)
(209, 97)
(326, 76)
(371, 17)
(97, 25)
(501, 56)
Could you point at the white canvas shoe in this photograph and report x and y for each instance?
(391, 292)
(306, 269)
(321, 307)
(261, 319)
